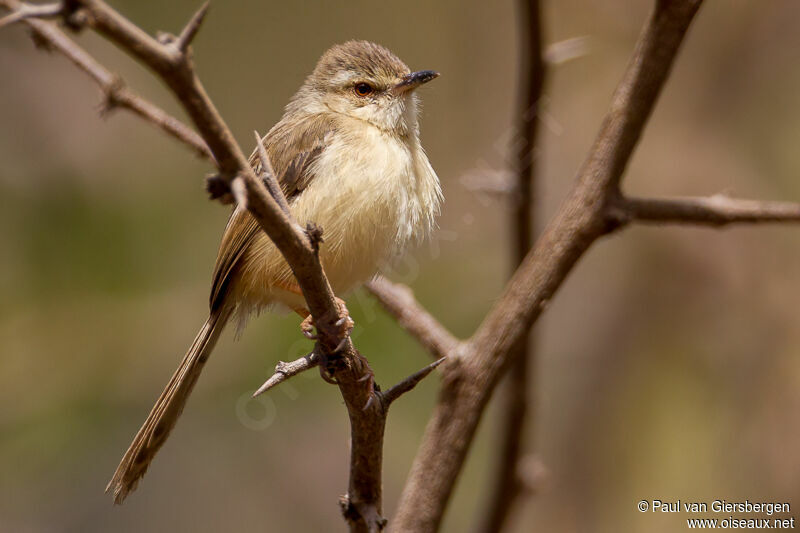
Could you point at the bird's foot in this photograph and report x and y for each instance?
(344, 325)
(307, 327)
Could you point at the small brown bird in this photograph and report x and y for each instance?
(348, 158)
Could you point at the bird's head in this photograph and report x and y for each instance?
(366, 81)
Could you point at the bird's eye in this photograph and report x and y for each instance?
(363, 89)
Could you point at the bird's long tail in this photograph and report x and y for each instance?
(168, 408)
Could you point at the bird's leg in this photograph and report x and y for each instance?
(344, 323)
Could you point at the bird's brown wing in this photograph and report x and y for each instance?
(292, 151)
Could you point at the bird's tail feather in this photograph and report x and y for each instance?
(168, 408)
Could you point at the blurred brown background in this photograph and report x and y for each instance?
(669, 360)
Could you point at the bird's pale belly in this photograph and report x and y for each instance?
(364, 219)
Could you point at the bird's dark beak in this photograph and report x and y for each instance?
(414, 80)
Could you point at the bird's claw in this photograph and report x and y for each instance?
(342, 344)
(345, 325)
(307, 327)
(345, 320)
(327, 376)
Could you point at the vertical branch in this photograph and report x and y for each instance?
(514, 409)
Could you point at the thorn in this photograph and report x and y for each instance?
(264, 388)
(410, 382)
(190, 30)
(284, 371)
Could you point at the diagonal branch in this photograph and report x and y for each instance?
(717, 210)
(399, 301)
(469, 379)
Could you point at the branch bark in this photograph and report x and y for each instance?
(717, 210)
(472, 369)
(469, 378)
(398, 300)
(284, 371)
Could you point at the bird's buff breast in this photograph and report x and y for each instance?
(372, 194)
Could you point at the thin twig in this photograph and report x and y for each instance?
(399, 301)
(116, 93)
(284, 371)
(717, 210)
(25, 11)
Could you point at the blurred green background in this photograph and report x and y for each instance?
(669, 361)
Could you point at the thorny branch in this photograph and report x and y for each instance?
(717, 210)
(594, 207)
(169, 57)
(117, 95)
(469, 378)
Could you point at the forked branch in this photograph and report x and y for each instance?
(472, 369)
(469, 379)
(170, 58)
